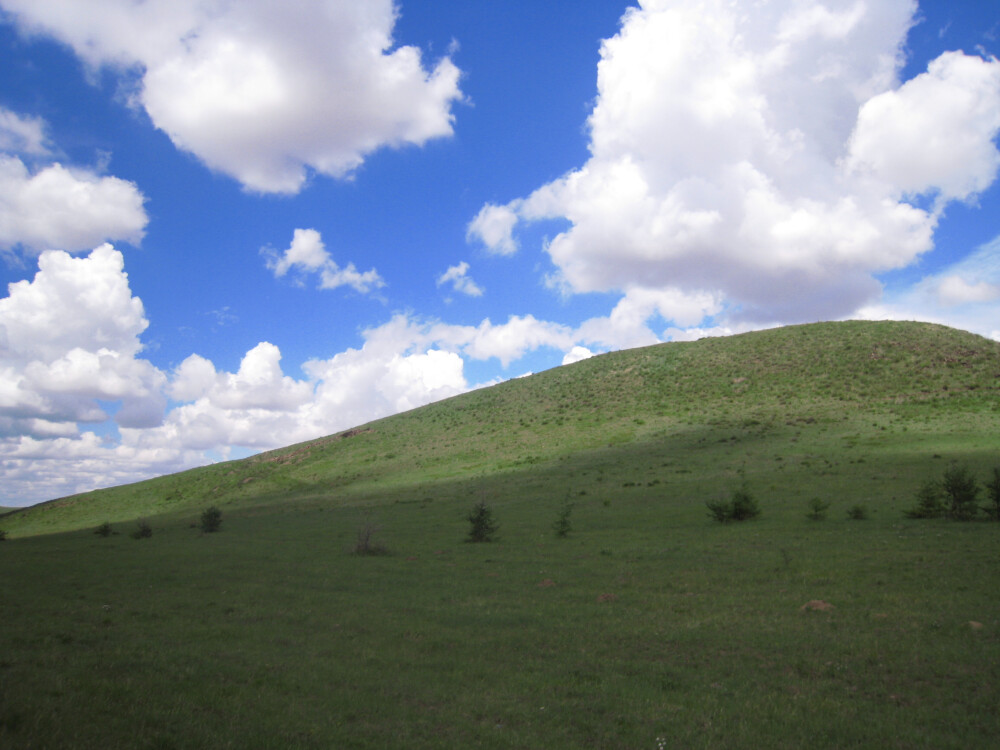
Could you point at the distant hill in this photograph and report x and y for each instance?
(890, 386)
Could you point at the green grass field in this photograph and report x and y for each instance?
(648, 626)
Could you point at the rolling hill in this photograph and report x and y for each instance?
(902, 391)
(646, 625)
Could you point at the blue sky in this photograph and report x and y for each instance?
(227, 227)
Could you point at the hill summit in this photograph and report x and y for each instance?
(740, 395)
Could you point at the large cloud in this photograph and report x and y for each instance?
(69, 338)
(729, 164)
(260, 90)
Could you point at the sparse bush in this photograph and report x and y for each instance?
(365, 543)
(142, 530)
(562, 526)
(482, 526)
(993, 495)
(3, 535)
(103, 530)
(744, 506)
(211, 520)
(740, 507)
(857, 513)
(930, 501)
(961, 491)
(817, 509)
(719, 510)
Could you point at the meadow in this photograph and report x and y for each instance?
(647, 626)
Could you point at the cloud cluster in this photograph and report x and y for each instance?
(259, 90)
(307, 254)
(965, 295)
(45, 205)
(762, 163)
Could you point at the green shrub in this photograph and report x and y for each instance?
(740, 507)
(930, 501)
(562, 526)
(857, 513)
(103, 530)
(365, 543)
(482, 526)
(961, 491)
(142, 530)
(817, 509)
(744, 506)
(3, 535)
(993, 495)
(211, 520)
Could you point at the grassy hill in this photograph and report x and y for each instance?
(800, 394)
(647, 626)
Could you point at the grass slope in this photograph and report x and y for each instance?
(800, 390)
(649, 626)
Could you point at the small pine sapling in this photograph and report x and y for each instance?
(211, 520)
(930, 501)
(482, 526)
(817, 509)
(993, 495)
(961, 491)
(562, 526)
(857, 513)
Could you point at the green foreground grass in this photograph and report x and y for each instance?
(648, 623)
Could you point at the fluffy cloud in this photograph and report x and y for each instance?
(730, 167)
(577, 354)
(935, 133)
(69, 346)
(458, 277)
(494, 226)
(66, 209)
(263, 91)
(307, 254)
(69, 338)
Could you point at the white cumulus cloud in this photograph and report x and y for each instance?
(259, 90)
(308, 254)
(730, 167)
(936, 132)
(458, 277)
(58, 208)
(494, 226)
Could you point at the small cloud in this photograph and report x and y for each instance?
(494, 226)
(458, 277)
(577, 354)
(223, 316)
(307, 254)
(23, 135)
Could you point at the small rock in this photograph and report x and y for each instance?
(816, 605)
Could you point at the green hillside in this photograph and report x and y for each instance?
(646, 626)
(907, 389)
